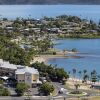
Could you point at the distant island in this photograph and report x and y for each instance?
(11, 2)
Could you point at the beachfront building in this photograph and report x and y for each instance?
(24, 74)
(7, 69)
(28, 75)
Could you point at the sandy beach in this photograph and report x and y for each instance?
(59, 54)
(45, 58)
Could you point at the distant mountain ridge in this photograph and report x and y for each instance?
(9, 2)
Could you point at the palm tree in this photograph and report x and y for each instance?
(80, 74)
(77, 86)
(85, 78)
(74, 73)
(94, 76)
(84, 73)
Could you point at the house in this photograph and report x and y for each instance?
(28, 75)
(37, 30)
(54, 30)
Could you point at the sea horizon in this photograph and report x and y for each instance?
(38, 11)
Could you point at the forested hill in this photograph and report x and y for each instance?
(4, 2)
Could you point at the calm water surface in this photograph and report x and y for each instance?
(38, 11)
(90, 60)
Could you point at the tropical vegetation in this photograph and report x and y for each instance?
(4, 91)
(51, 72)
(46, 88)
(21, 88)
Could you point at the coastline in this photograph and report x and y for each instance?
(71, 81)
(84, 86)
(80, 81)
(60, 54)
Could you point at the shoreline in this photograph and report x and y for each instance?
(84, 86)
(60, 54)
(46, 58)
(80, 80)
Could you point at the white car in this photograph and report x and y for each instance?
(62, 90)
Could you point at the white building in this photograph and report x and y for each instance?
(20, 73)
(7, 69)
(27, 75)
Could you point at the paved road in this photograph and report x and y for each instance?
(32, 98)
(89, 92)
(58, 86)
(12, 98)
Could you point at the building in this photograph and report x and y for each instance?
(7, 69)
(27, 75)
(24, 74)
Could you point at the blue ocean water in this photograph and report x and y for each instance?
(38, 11)
(89, 51)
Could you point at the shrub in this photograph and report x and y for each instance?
(1, 82)
(21, 88)
(74, 50)
(54, 53)
(4, 91)
(46, 88)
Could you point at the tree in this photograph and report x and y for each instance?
(54, 73)
(85, 78)
(74, 72)
(94, 76)
(46, 88)
(84, 73)
(1, 81)
(80, 74)
(4, 91)
(21, 88)
(61, 74)
(77, 86)
(74, 50)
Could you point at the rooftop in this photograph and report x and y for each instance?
(6, 64)
(27, 70)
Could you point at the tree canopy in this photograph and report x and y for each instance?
(56, 74)
(21, 88)
(46, 88)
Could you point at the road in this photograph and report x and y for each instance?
(58, 86)
(32, 98)
(58, 96)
